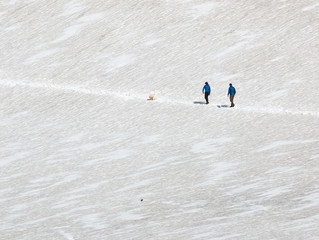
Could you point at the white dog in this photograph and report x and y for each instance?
(152, 96)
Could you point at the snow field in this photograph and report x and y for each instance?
(79, 170)
(81, 145)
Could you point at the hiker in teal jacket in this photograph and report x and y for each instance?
(231, 94)
(206, 91)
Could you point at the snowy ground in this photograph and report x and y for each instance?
(81, 145)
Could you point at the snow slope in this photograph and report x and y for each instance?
(81, 145)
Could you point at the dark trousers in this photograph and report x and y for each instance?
(206, 96)
(232, 100)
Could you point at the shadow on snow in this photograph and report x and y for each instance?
(199, 102)
(223, 106)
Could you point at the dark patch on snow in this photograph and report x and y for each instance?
(199, 102)
(223, 106)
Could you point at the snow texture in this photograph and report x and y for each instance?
(85, 155)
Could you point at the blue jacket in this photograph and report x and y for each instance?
(206, 88)
(231, 90)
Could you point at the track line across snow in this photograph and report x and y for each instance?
(132, 96)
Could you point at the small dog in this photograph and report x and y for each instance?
(152, 96)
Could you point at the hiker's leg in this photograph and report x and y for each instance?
(206, 97)
(232, 100)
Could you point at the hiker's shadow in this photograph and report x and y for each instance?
(223, 106)
(199, 102)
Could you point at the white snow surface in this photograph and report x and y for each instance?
(85, 155)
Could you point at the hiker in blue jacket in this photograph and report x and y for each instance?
(206, 91)
(231, 94)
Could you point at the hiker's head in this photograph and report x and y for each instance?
(230, 84)
(206, 83)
